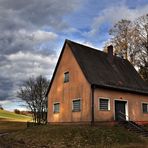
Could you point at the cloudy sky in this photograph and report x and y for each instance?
(32, 33)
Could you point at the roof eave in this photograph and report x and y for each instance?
(111, 87)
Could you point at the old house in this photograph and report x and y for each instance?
(90, 86)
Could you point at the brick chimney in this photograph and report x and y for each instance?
(110, 53)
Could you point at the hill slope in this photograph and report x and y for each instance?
(6, 115)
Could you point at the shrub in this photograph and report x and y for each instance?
(17, 111)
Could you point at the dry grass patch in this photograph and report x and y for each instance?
(10, 121)
(11, 116)
(11, 126)
(76, 136)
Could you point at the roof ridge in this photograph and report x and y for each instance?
(84, 45)
(116, 66)
(94, 49)
(99, 71)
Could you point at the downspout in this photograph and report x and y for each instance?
(92, 104)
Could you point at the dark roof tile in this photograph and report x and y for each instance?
(100, 71)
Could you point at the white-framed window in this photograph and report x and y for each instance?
(66, 77)
(104, 104)
(76, 105)
(56, 107)
(145, 107)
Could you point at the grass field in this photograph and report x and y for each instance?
(13, 117)
(48, 136)
(11, 126)
(74, 137)
(10, 121)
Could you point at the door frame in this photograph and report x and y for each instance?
(126, 108)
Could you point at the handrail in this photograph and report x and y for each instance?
(124, 115)
(129, 121)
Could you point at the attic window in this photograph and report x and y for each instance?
(145, 107)
(66, 77)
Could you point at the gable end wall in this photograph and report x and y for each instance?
(64, 93)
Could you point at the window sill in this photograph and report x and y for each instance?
(145, 112)
(76, 110)
(103, 110)
(56, 112)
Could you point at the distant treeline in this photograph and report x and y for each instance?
(17, 111)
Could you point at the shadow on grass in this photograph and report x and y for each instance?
(71, 136)
(7, 126)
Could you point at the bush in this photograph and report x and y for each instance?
(1, 107)
(17, 111)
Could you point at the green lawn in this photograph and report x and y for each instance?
(64, 136)
(74, 137)
(10, 121)
(12, 116)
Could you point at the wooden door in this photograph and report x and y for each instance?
(120, 112)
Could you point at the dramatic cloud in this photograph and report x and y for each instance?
(22, 40)
(113, 14)
(31, 22)
(32, 33)
(37, 13)
(28, 34)
(20, 66)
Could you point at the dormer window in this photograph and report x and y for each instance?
(66, 77)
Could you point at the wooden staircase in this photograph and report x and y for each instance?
(131, 125)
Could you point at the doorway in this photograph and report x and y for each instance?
(120, 110)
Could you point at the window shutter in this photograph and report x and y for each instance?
(56, 107)
(66, 77)
(145, 107)
(76, 105)
(104, 104)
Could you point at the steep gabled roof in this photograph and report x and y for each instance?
(99, 71)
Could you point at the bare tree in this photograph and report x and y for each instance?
(120, 36)
(139, 45)
(139, 39)
(131, 40)
(33, 93)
